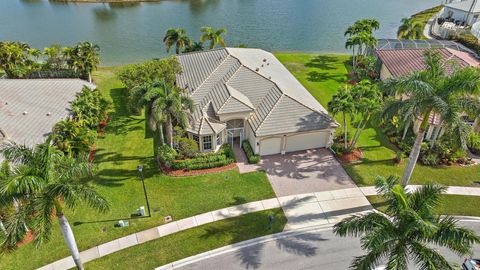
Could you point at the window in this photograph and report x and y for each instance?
(219, 139)
(196, 139)
(207, 143)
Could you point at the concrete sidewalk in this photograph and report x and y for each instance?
(302, 211)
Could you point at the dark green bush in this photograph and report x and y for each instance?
(247, 148)
(166, 155)
(473, 143)
(187, 148)
(222, 157)
(430, 159)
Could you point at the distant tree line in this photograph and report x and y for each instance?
(19, 61)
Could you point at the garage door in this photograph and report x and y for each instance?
(270, 146)
(306, 141)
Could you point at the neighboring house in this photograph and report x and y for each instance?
(461, 12)
(247, 94)
(30, 108)
(396, 62)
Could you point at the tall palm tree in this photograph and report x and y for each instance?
(432, 91)
(164, 104)
(177, 108)
(360, 35)
(43, 183)
(215, 36)
(409, 230)
(178, 38)
(410, 29)
(342, 102)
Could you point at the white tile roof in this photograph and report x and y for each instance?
(30, 108)
(250, 80)
(465, 5)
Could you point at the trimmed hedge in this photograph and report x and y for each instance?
(247, 148)
(223, 157)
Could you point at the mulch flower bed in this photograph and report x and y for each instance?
(171, 172)
(28, 238)
(353, 156)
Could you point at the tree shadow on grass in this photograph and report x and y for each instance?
(122, 121)
(315, 76)
(322, 62)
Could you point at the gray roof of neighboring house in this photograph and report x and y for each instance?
(30, 108)
(465, 5)
(240, 80)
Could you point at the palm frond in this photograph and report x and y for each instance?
(356, 225)
(427, 258)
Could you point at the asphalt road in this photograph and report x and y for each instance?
(312, 250)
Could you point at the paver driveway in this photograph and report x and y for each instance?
(301, 172)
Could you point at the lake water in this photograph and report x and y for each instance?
(132, 32)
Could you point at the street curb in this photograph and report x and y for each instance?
(240, 245)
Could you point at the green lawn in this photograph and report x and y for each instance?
(127, 144)
(451, 205)
(322, 75)
(193, 241)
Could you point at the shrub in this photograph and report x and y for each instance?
(469, 41)
(187, 148)
(166, 155)
(223, 157)
(150, 71)
(430, 159)
(398, 157)
(247, 148)
(473, 143)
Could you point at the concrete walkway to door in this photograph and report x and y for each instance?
(314, 170)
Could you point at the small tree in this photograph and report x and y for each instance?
(150, 71)
(360, 36)
(367, 100)
(342, 102)
(409, 230)
(17, 59)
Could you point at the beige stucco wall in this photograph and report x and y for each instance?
(385, 73)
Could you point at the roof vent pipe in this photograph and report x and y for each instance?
(25, 113)
(257, 69)
(49, 113)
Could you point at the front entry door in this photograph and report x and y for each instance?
(230, 137)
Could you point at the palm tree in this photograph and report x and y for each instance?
(410, 29)
(88, 58)
(409, 230)
(43, 183)
(195, 47)
(342, 102)
(164, 104)
(177, 108)
(432, 91)
(82, 58)
(368, 101)
(361, 34)
(177, 37)
(214, 36)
